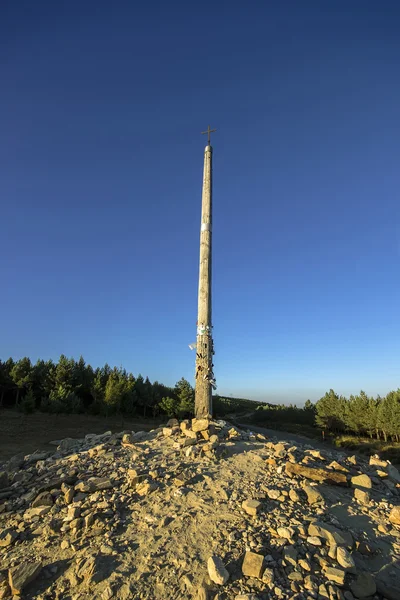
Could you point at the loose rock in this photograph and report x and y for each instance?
(252, 564)
(217, 571)
(251, 507)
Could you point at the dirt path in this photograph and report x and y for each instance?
(285, 436)
(26, 433)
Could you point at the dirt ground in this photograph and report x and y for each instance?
(26, 433)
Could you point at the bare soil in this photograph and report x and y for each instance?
(25, 434)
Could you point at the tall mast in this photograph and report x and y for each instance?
(204, 348)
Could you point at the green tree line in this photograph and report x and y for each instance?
(362, 414)
(283, 414)
(72, 386)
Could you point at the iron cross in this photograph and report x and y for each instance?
(209, 131)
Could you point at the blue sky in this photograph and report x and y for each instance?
(101, 157)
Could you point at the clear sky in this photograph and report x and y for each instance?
(101, 157)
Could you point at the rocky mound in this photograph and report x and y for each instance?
(198, 510)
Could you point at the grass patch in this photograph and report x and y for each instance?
(386, 450)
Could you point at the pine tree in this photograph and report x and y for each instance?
(331, 410)
(185, 395)
(21, 374)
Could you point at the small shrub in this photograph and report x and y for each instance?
(28, 403)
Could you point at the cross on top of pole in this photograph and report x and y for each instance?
(209, 131)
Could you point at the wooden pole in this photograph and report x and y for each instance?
(205, 348)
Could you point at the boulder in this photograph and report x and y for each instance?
(361, 482)
(200, 424)
(316, 474)
(330, 533)
(393, 474)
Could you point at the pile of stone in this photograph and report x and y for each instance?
(198, 509)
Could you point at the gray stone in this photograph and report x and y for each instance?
(7, 537)
(43, 499)
(21, 576)
(217, 571)
(68, 444)
(364, 586)
(333, 535)
(91, 569)
(290, 555)
(314, 496)
(3, 480)
(362, 496)
(393, 473)
(100, 483)
(345, 559)
(268, 576)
